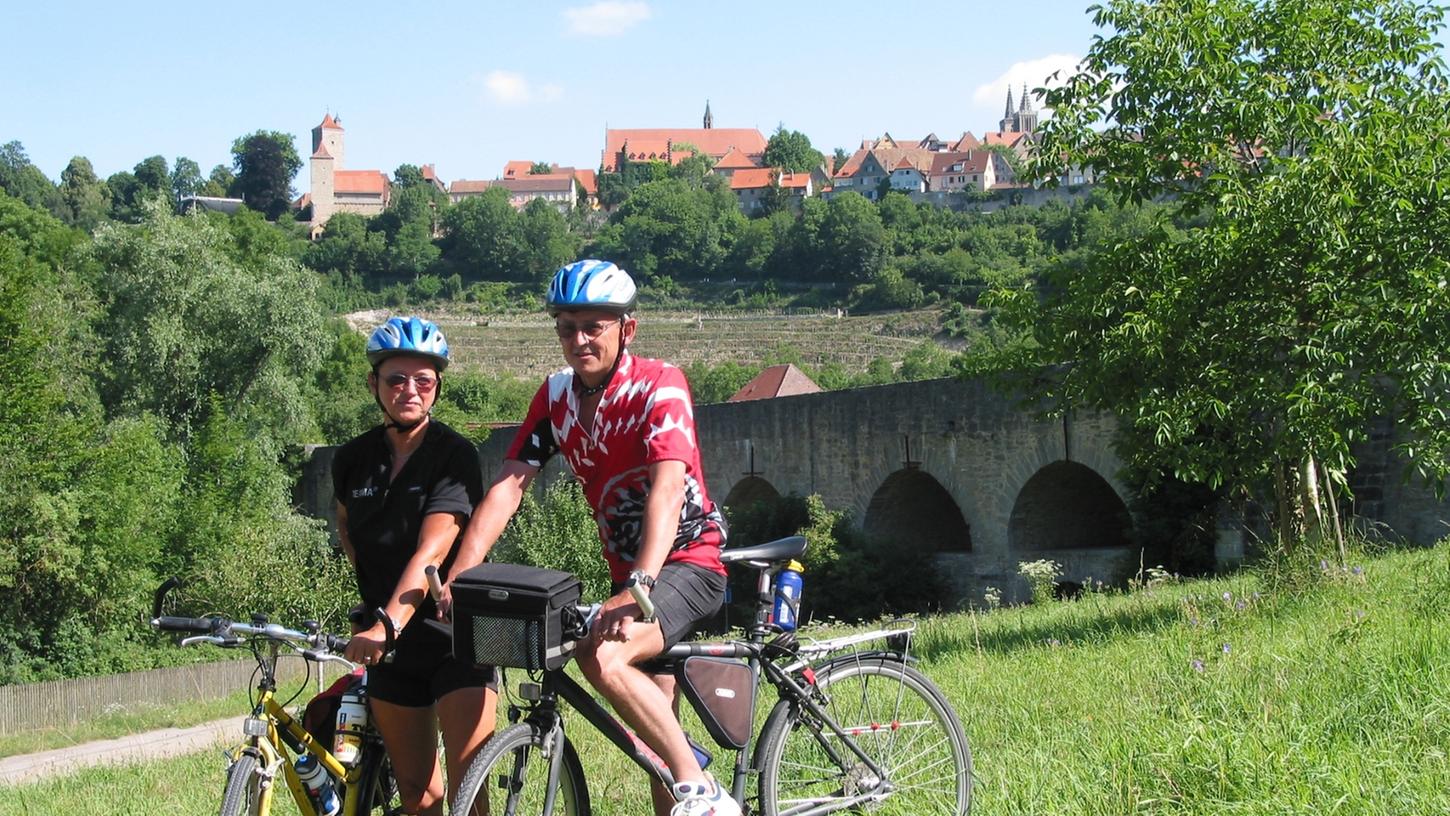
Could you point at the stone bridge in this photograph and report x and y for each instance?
(949, 466)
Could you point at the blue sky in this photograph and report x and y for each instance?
(468, 86)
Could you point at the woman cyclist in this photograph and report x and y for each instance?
(404, 493)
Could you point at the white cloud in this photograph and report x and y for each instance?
(513, 88)
(608, 18)
(1033, 72)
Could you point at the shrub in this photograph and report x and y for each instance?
(557, 531)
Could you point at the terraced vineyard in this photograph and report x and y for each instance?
(525, 346)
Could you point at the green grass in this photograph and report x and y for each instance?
(1332, 697)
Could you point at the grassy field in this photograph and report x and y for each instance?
(1242, 695)
(525, 346)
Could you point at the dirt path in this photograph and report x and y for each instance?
(136, 747)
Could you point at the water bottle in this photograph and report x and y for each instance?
(788, 596)
(352, 722)
(319, 786)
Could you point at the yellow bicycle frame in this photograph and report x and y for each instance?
(273, 753)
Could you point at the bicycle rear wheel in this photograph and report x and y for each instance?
(510, 777)
(377, 789)
(244, 787)
(898, 718)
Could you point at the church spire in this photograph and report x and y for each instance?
(709, 120)
(1009, 111)
(1026, 99)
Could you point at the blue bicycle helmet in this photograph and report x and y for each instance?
(591, 284)
(408, 335)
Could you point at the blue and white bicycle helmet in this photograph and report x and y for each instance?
(591, 284)
(408, 335)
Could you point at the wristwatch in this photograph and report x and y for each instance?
(643, 579)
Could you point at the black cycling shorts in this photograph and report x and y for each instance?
(684, 595)
(424, 669)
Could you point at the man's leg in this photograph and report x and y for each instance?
(659, 793)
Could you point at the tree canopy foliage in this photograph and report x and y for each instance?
(791, 150)
(1302, 148)
(265, 163)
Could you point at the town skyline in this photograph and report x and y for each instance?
(404, 88)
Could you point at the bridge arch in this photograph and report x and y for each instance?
(912, 506)
(1067, 505)
(751, 490)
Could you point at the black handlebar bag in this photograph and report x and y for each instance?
(513, 615)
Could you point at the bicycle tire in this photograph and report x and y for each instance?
(511, 759)
(897, 716)
(377, 788)
(242, 795)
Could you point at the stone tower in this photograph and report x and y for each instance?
(709, 120)
(326, 160)
(1006, 123)
(1026, 116)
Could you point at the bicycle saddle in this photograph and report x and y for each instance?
(763, 555)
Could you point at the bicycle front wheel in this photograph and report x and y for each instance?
(510, 777)
(377, 790)
(896, 716)
(243, 792)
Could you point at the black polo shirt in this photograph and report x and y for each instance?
(384, 517)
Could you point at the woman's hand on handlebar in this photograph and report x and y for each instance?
(366, 647)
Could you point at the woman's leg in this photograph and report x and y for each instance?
(467, 715)
(411, 737)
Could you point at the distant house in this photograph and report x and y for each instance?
(776, 381)
(229, 206)
(906, 178)
(973, 170)
(734, 159)
(564, 187)
(754, 186)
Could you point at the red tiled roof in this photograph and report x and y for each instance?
(656, 143)
(1003, 137)
(776, 381)
(973, 161)
(967, 142)
(428, 172)
(466, 186)
(328, 123)
(587, 181)
(360, 181)
(905, 164)
(321, 152)
(735, 160)
(752, 178)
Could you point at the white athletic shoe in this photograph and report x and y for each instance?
(703, 799)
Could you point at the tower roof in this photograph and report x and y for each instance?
(1009, 111)
(328, 123)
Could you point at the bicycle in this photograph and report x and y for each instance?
(272, 738)
(852, 728)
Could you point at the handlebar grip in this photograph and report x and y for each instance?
(435, 585)
(171, 623)
(646, 606)
(389, 636)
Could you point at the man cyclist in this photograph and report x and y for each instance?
(625, 425)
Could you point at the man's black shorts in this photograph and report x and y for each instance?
(684, 595)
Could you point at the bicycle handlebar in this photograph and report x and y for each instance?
(318, 645)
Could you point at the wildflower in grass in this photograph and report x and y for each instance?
(992, 597)
(1323, 565)
(1254, 597)
(1042, 576)
(1357, 571)
(1240, 605)
(1226, 648)
(1196, 664)
(1228, 597)
(1054, 642)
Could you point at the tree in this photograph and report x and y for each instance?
(852, 240)
(839, 159)
(1303, 143)
(265, 163)
(408, 175)
(152, 175)
(219, 182)
(25, 181)
(185, 180)
(87, 200)
(483, 237)
(791, 150)
(548, 244)
(540, 168)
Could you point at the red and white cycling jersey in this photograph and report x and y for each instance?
(644, 416)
